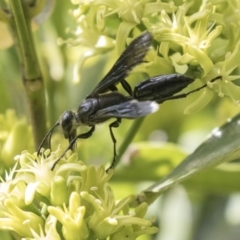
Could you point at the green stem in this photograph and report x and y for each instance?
(31, 73)
(128, 139)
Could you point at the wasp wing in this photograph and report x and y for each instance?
(131, 57)
(130, 109)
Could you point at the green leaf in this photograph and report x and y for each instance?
(148, 161)
(221, 180)
(222, 145)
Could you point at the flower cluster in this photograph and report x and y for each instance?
(197, 38)
(38, 10)
(72, 201)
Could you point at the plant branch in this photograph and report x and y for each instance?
(31, 73)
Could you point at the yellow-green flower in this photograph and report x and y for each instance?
(38, 10)
(72, 201)
(199, 39)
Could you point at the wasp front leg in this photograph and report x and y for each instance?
(71, 144)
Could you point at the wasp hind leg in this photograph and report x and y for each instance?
(127, 87)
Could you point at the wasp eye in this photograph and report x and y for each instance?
(67, 123)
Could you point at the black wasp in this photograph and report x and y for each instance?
(105, 102)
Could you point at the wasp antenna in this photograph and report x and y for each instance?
(44, 139)
(216, 78)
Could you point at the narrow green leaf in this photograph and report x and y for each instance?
(222, 145)
(220, 181)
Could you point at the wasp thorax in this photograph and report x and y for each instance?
(86, 109)
(68, 123)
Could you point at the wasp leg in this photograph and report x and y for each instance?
(113, 88)
(83, 135)
(126, 87)
(114, 124)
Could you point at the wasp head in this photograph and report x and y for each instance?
(69, 123)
